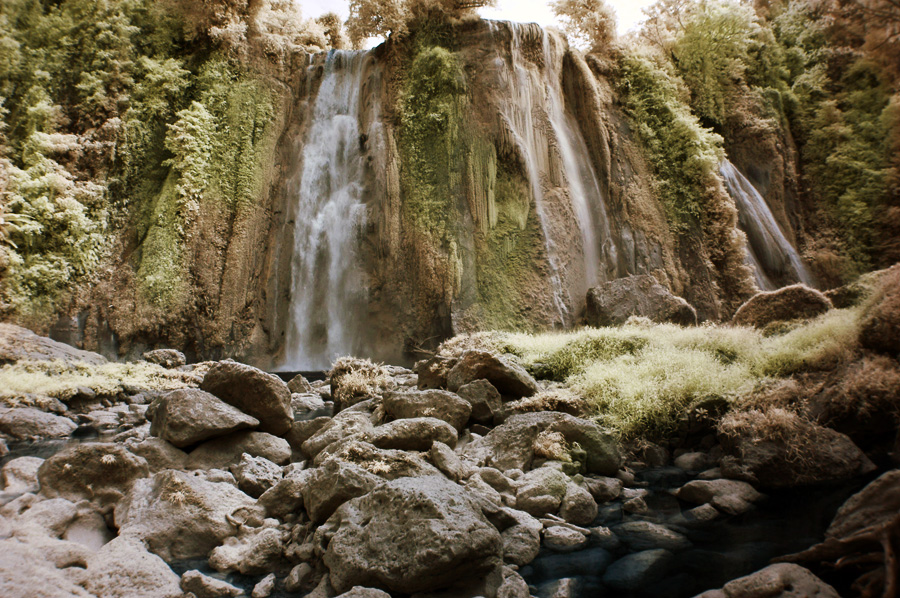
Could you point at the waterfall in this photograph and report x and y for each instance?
(328, 291)
(769, 252)
(555, 156)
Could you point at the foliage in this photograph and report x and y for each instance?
(384, 18)
(589, 24)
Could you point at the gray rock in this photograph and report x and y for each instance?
(18, 344)
(303, 403)
(704, 491)
(603, 489)
(254, 552)
(255, 475)
(167, 358)
(159, 453)
(788, 303)
(25, 423)
(26, 572)
(432, 373)
(511, 445)
(415, 434)
(564, 539)
(97, 471)
(644, 535)
(302, 431)
(88, 528)
(181, 516)
(361, 592)
(20, 475)
(513, 586)
(285, 497)
(189, 416)
(508, 378)
(484, 398)
(222, 452)
(124, 569)
(445, 459)
(54, 515)
(522, 539)
(637, 570)
(254, 392)
(380, 540)
(777, 581)
(541, 491)
(348, 424)
(332, 484)
(300, 579)
(440, 404)
(265, 587)
(578, 506)
(694, 461)
(299, 385)
(612, 303)
(203, 586)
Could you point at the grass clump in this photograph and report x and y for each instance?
(354, 380)
(642, 380)
(25, 380)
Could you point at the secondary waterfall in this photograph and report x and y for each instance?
(769, 251)
(328, 291)
(555, 154)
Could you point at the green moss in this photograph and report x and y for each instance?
(161, 273)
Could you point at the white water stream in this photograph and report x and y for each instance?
(769, 251)
(328, 291)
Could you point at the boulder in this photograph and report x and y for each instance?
(484, 399)
(346, 425)
(203, 586)
(20, 475)
(729, 496)
(97, 471)
(361, 592)
(578, 506)
(167, 358)
(432, 373)
(255, 475)
(439, 404)
(564, 539)
(522, 539)
(285, 497)
(254, 392)
(645, 535)
(25, 423)
(445, 459)
(810, 455)
(25, 572)
(300, 385)
(874, 505)
(880, 325)
(20, 344)
(159, 453)
(255, 551)
(541, 491)
(409, 535)
(509, 378)
(124, 569)
(511, 445)
(637, 570)
(775, 581)
(181, 516)
(302, 431)
(265, 587)
(189, 416)
(415, 434)
(694, 462)
(603, 489)
(612, 303)
(222, 452)
(790, 303)
(332, 484)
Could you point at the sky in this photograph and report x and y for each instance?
(628, 12)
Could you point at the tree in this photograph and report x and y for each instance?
(334, 30)
(589, 24)
(875, 23)
(383, 18)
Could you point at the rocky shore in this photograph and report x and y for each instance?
(455, 479)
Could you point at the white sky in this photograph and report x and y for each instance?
(628, 11)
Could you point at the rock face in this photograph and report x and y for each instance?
(509, 378)
(511, 445)
(790, 303)
(180, 516)
(254, 392)
(776, 581)
(167, 358)
(17, 344)
(189, 416)
(612, 303)
(98, 471)
(25, 423)
(410, 535)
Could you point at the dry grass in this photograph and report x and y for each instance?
(26, 379)
(551, 445)
(869, 387)
(354, 380)
(797, 435)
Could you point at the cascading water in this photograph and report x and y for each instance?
(328, 290)
(769, 252)
(555, 154)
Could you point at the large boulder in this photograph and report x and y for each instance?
(428, 403)
(256, 393)
(730, 496)
(189, 416)
(638, 570)
(26, 423)
(124, 569)
(484, 398)
(255, 475)
(775, 581)
(410, 535)
(788, 453)
(26, 572)
(541, 491)
(181, 516)
(345, 425)
(508, 378)
(612, 303)
(880, 326)
(19, 344)
(432, 373)
(790, 303)
(416, 434)
(167, 358)
(874, 505)
(253, 552)
(222, 452)
(512, 445)
(96, 471)
(159, 453)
